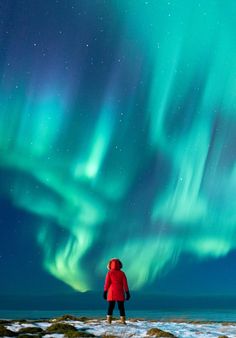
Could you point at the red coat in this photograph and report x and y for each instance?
(116, 282)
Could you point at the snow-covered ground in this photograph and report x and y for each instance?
(137, 328)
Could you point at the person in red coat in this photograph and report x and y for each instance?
(115, 289)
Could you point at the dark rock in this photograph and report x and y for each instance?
(21, 321)
(60, 328)
(4, 332)
(69, 317)
(83, 319)
(75, 334)
(154, 332)
(32, 330)
(5, 322)
(24, 335)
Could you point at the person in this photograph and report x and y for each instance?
(115, 289)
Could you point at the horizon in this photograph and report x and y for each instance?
(140, 302)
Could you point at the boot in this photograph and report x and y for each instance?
(122, 319)
(109, 319)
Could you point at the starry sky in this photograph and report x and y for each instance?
(117, 139)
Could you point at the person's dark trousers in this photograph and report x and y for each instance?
(111, 306)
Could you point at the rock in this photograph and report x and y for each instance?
(69, 317)
(4, 332)
(60, 328)
(83, 319)
(223, 337)
(159, 333)
(75, 334)
(20, 321)
(5, 322)
(30, 330)
(68, 330)
(24, 335)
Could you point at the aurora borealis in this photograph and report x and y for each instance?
(118, 133)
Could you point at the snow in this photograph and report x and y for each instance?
(139, 328)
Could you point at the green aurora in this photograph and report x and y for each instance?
(136, 160)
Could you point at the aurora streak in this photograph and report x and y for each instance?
(118, 131)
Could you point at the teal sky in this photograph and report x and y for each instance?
(117, 139)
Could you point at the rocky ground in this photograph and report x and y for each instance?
(71, 326)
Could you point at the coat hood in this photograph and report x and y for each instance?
(114, 264)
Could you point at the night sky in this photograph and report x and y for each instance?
(118, 139)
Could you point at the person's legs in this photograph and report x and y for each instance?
(121, 306)
(111, 305)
